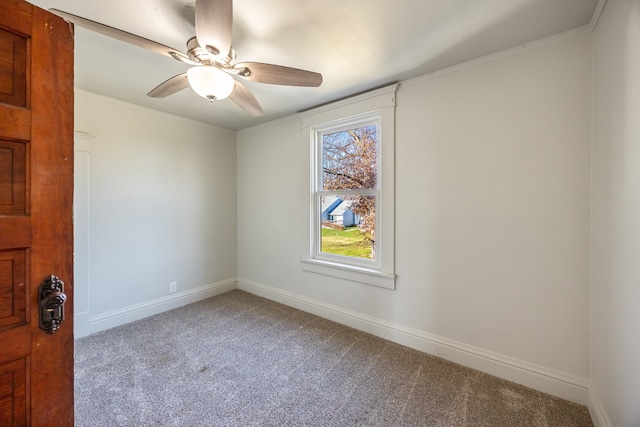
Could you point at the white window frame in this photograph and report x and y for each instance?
(377, 107)
(371, 118)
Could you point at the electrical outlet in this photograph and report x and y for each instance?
(173, 287)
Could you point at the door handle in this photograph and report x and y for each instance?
(51, 298)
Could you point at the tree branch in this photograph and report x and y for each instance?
(331, 172)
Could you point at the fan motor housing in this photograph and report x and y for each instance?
(202, 56)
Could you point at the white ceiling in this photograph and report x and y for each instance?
(355, 44)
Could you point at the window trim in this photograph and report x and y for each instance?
(374, 107)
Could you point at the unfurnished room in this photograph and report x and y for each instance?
(320, 213)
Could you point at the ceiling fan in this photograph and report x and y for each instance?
(212, 58)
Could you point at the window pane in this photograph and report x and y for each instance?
(349, 159)
(348, 226)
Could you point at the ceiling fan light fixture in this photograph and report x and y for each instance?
(212, 58)
(210, 82)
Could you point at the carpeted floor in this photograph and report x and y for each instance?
(241, 360)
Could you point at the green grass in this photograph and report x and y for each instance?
(347, 242)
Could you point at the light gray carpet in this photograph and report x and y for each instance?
(241, 360)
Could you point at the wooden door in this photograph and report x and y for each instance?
(36, 192)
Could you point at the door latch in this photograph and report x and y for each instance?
(51, 298)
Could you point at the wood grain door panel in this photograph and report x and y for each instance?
(13, 69)
(13, 402)
(13, 295)
(15, 116)
(36, 220)
(13, 178)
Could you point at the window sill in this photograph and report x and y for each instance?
(348, 272)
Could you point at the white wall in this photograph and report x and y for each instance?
(492, 219)
(615, 321)
(155, 203)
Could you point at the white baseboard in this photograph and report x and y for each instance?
(135, 312)
(596, 409)
(548, 381)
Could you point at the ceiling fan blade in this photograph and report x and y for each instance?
(277, 74)
(214, 22)
(171, 86)
(245, 99)
(123, 36)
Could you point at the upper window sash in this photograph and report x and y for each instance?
(339, 126)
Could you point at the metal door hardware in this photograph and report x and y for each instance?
(51, 298)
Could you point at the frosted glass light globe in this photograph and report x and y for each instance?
(210, 82)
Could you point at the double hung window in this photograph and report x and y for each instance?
(347, 191)
(352, 189)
